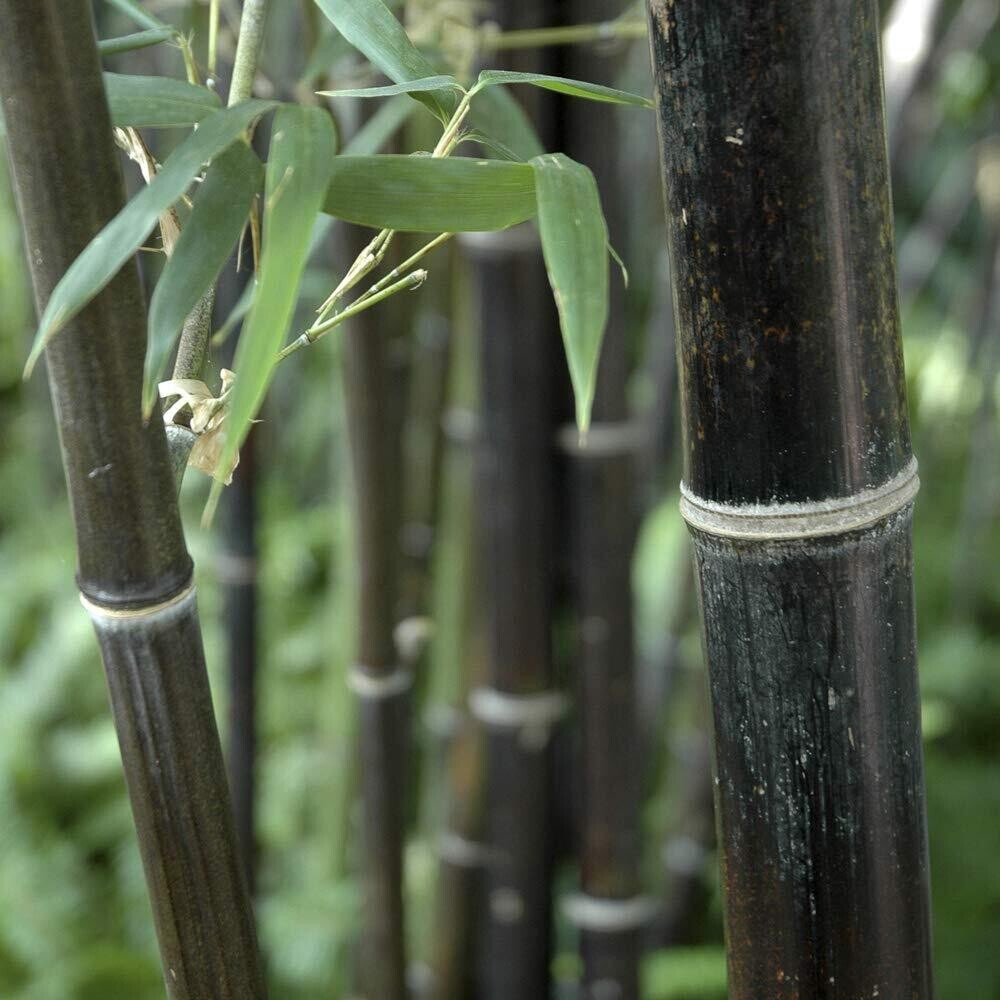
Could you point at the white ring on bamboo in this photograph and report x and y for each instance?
(143, 612)
(778, 521)
(376, 686)
(532, 715)
(462, 852)
(602, 440)
(608, 916)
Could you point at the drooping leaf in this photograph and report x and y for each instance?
(104, 256)
(303, 149)
(380, 128)
(431, 195)
(575, 246)
(426, 85)
(138, 13)
(574, 88)
(157, 101)
(138, 40)
(217, 218)
(496, 113)
(375, 32)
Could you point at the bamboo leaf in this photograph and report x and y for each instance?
(157, 101)
(138, 40)
(303, 149)
(375, 32)
(574, 88)
(575, 246)
(217, 218)
(497, 114)
(426, 85)
(137, 13)
(430, 195)
(104, 256)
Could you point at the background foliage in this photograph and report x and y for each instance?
(74, 922)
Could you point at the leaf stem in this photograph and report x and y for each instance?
(411, 281)
(213, 37)
(248, 50)
(405, 266)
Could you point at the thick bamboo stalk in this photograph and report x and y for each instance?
(134, 571)
(609, 911)
(518, 709)
(798, 488)
(380, 682)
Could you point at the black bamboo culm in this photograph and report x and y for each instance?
(134, 572)
(798, 488)
(236, 568)
(377, 678)
(518, 708)
(609, 910)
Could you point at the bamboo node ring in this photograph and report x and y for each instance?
(366, 684)
(533, 714)
(609, 916)
(765, 522)
(461, 852)
(142, 612)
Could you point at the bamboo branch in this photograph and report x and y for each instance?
(134, 571)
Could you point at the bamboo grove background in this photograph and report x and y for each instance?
(279, 598)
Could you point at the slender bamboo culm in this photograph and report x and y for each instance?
(518, 708)
(380, 682)
(798, 488)
(134, 572)
(609, 912)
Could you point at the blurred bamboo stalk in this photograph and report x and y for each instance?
(135, 575)
(798, 488)
(379, 681)
(609, 911)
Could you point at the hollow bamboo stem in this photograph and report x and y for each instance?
(798, 488)
(134, 572)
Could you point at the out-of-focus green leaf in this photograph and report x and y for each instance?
(380, 128)
(427, 194)
(375, 32)
(217, 218)
(157, 101)
(575, 246)
(426, 85)
(137, 13)
(139, 40)
(104, 256)
(303, 149)
(497, 114)
(574, 88)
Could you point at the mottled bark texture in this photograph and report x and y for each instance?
(133, 568)
(780, 232)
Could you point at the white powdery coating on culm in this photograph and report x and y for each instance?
(110, 617)
(776, 521)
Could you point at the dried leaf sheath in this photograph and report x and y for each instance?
(131, 552)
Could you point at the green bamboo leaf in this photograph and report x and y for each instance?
(430, 195)
(575, 88)
(138, 40)
(137, 13)
(303, 149)
(104, 256)
(157, 101)
(575, 246)
(496, 113)
(426, 85)
(375, 32)
(217, 218)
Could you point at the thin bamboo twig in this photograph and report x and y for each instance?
(798, 488)
(134, 572)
